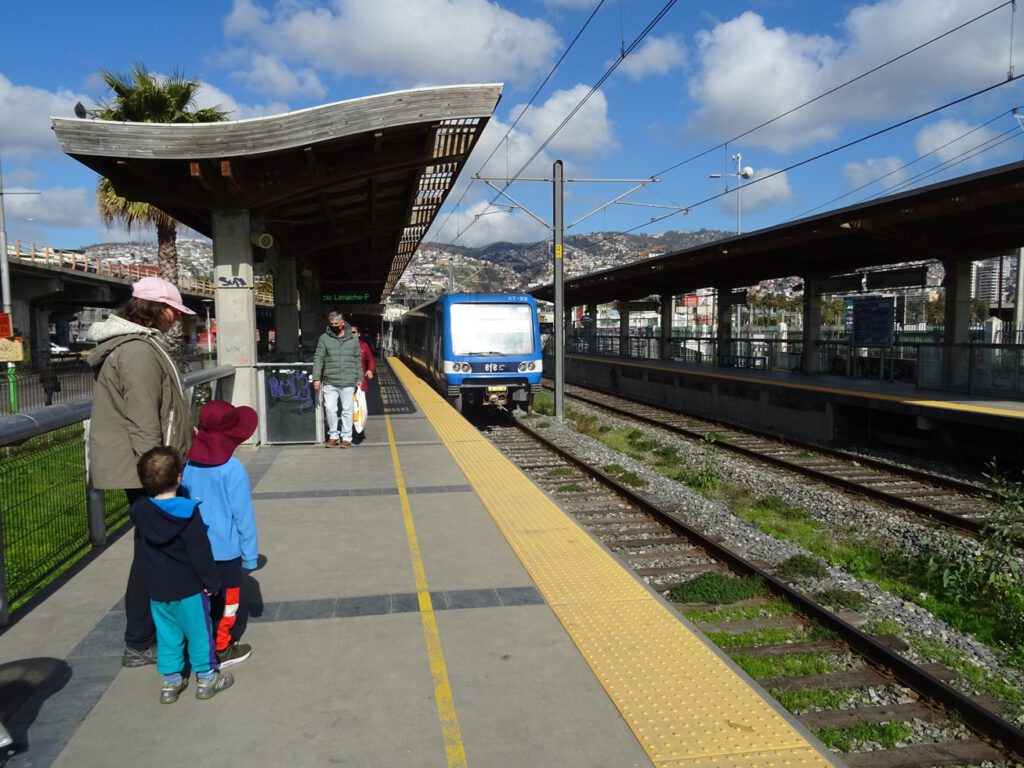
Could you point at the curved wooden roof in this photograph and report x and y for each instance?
(350, 188)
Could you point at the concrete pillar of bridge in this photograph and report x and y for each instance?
(957, 324)
(623, 329)
(235, 301)
(286, 310)
(667, 316)
(39, 332)
(311, 317)
(809, 359)
(592, 328)
(723, 309)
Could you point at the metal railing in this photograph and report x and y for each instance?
(49, 516)
(995, 370)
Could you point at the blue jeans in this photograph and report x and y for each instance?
(331, 396)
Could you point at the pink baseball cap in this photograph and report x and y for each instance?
(157, 289)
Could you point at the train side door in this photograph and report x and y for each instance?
(437, 358)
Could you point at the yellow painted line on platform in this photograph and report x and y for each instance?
(685, 705)
(450, 731)
(949, 405)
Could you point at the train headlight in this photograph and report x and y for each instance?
(531, 365)
(467, 368)
(522, 367)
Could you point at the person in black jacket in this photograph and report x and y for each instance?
(180, 574)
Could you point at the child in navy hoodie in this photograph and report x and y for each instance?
(180, 576)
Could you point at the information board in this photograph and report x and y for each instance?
(872, 320)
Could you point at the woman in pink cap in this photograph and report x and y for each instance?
(138, 404)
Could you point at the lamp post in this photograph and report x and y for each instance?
(741, 174)
(209, 336)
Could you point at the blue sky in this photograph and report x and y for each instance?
(704, 74)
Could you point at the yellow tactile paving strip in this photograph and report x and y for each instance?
(685, 705)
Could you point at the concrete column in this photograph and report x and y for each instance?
(667, 316)
(623, 330)
(235, 301)
(592, 329)
(311, 315)
(809, 362)
(724, 310)
(286, 310)
(957, 322)
(958, 301)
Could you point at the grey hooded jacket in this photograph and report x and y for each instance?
(138, 402)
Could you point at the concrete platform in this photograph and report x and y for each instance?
(344, 669)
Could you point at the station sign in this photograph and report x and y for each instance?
(346, 297)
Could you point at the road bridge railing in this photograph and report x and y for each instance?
(78, 261)
(49, 515)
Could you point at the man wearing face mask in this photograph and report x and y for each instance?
(337, 371)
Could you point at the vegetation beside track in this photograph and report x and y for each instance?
(978, 590)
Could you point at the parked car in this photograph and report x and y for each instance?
(57, 349)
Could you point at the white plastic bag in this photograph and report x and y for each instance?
(359, 410)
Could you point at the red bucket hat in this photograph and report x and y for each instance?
(222, 427)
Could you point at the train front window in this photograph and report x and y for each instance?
(492, 329)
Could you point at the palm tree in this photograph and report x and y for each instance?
(144, 97)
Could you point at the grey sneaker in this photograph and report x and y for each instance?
(207, 689)
(169, 692)
(134, 658)
(233, 654)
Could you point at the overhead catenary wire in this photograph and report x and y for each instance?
(830, 91)
(906, 165)
(519, 117)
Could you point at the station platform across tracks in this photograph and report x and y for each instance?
(421, 603)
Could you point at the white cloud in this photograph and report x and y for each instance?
(657, 56)
(758, 193)
(887, 171)
(749, 73)
(582, 4)
(269, 75)
(53, 207)
(25, 118)
(588, 133)
(949, 139)
(212, 96)
(479, 224)
(426, 42)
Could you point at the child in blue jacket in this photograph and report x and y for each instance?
(220, 484)
(179, 574)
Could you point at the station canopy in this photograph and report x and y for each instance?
(349, 188)
(970, 218)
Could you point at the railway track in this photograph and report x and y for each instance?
(884, 687)
(948, 501)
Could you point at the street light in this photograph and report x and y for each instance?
(209, 337)
(741, 174)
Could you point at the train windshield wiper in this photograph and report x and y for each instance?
(492, 353)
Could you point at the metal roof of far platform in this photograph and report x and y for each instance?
(350, 188)
(971, 217)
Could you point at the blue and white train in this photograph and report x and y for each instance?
(477, 349)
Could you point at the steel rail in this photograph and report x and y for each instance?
(985, 723)
(948, 519)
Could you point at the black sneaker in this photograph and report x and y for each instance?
(135, 658)
(234, 654)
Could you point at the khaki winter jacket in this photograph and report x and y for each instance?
(138, 402)
(338, 359)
